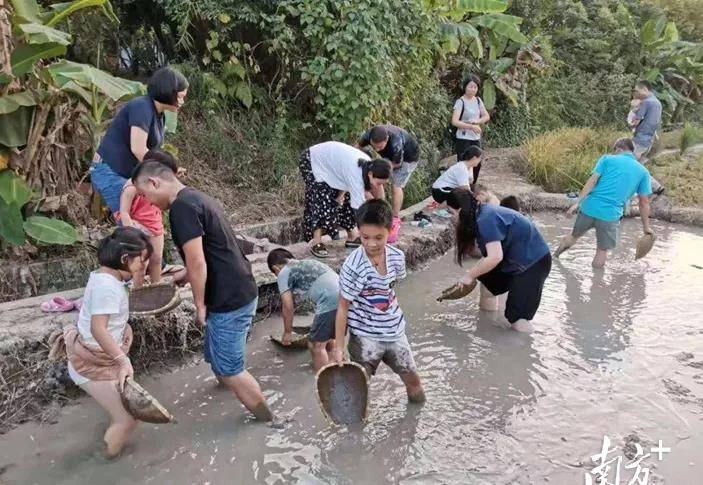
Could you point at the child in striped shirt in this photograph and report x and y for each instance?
(368, 304)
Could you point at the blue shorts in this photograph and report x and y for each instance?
(108, 184)
(322, 328)
(226, 339)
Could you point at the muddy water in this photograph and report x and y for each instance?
(617, 352)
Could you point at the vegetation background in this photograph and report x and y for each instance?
(270, 77)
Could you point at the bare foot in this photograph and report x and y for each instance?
(523, 325)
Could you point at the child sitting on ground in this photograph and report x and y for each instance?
(368, 304)
(458, 175)
(97, 347)
(316, 282)
(137, 211)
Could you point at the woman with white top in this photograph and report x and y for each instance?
(338, 179)
(456, 176)
(468, 115)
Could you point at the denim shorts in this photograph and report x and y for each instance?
(226, 338)
(322, 328)
(108, 184)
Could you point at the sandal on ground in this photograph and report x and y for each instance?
(320, 251)
(353, 244)
(57, 305)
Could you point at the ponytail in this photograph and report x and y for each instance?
(380, 168)
(466, 230)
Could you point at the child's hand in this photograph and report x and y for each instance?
(287, 337)
(125, 371)
(338, 356)
(127, 221)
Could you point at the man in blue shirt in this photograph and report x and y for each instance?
(614, 180)
(647, 121)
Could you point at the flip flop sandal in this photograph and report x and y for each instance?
(320, 251)
(353, 244)
(57, 305)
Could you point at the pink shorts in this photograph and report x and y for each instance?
(147, 215)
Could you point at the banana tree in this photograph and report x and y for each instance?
(675, 67)
(491, 38)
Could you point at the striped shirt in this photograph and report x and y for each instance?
(374, 311)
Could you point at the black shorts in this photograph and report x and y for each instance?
(524, 289)
(441, 195)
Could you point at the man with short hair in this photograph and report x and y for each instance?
(403, 150)
(615, 179)
(646, 122)
(224, 291)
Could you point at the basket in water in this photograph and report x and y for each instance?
(297, 342)
(343, 392)
(153, 299)
(457, 291)
(142, 405)
(644, 245)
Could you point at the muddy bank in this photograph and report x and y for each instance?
(616, 352)
(29, 382)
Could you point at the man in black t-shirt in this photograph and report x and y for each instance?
(224, 291)
(403, 150)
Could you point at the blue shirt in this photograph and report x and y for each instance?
(649, 115)
(115, 148)
(522, 243)
(621, 176)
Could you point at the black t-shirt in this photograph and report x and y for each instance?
(401, 146)
(230, 283)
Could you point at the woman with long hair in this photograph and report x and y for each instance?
(515, 258)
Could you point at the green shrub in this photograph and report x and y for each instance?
(690, 135)
(510, 125)
(562, 160)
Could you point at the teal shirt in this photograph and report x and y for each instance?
(621, 177)
(313, 280)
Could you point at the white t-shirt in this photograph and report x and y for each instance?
(472, 112)
(104, 295)
(458, 175)
(337, 164)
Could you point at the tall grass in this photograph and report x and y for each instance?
(690, 135)
(562, 160)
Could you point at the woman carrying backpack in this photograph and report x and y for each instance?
(467, 117)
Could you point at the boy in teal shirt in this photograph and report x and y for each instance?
(314, 281)
(614, 180)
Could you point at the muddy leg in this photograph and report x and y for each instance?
(248, 391)
(599, 258)
(413, 385)
(565, 244)
(154, 267)
(122, 424)
(320, 358)
(487, 300)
